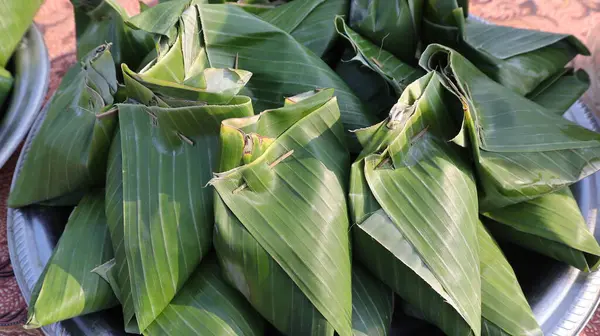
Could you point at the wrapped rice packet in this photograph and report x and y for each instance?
(287, 163)
(410, 193)
(309, 22)
(272, 78)
(68, 287)
(206, 304)
(520, 150)
(396, 72)
(392, 25)
(519, 59)
(168, 155)
(68, 153)
(551, 225)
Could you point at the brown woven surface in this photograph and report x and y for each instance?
(55, 19)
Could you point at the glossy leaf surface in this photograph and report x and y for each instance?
(68, 287)
(285, 195)
(105, 23)
(521, 150)
(551, 225)
(69, 152)
(414, 203)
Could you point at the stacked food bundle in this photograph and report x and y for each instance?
(17, 16)
(395, 140)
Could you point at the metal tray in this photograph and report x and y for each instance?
(31, 69)
(563, 298)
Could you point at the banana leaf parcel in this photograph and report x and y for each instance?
(103, 21)
(396, 72)
(205, 305)
(519, 59)
(392, 25)
(17, 15)
(551, 225)
(204, 127)
(67, 286)
(180, 75)
(168, 155)
(379, 96)
(414, 208)
(520, 150)
(309, 22)
(504, 309)
(69, 152)
(280, 65)
(281, 218)
(179, 132)
(560, 92)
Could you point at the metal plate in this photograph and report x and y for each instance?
(31, 69)
(563, 298)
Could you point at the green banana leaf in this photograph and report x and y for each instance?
(520, 150)
(249, 268)
(378, 96)
(143, 5)
(104, 22)
(310, 22)
(161, 18)
(254, 7)
(560, 92)
(69, 152)
(519, 59)
(444, 13)
(67, 286)
(396, 72)
(414, 207)
(118, 277)
(276, 74)
(287, 163)
(168, 155)
(281, 66)
(17, 15)
(6, 82)
(180, 77)
(372, 304)
(206, 305)
(392, 25)
(222, 85)
(504, 309)
(551, 225)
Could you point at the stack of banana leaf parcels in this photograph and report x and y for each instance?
(307, 167)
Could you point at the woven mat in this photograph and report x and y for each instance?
(55, 19)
